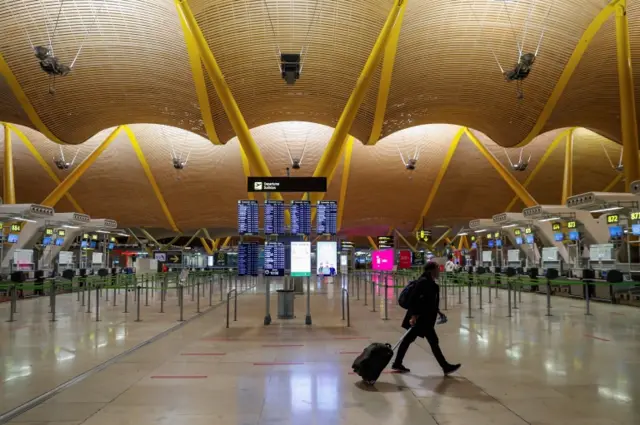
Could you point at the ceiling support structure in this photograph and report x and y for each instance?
(552, 147)
(567, 179)
(372, 243)
(27, 143)
(195, 235)
(628, 119)
(246, 169)
(460, 243)
(76, 173)
(331, 155)
(135, 237)
(403, 239)
(344, 184)
(569, 69)
(149, 237)
(508, 178)
(466, 242)
(226, 241)
(236, 119)
(171, 242)
(441, 238)
(439, 177)
(199, 81)
(204, 243)
(613, 183)
(152, 180)
(385, 78)
(9, 194)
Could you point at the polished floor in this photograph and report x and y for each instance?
(567, 369)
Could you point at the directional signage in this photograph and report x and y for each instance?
(161, 257)
(287, 184)
(169, 257)
(423, 235)
(385, 242)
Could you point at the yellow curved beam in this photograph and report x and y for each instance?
(9, 193)
(204, 243)
(72, 178)
(152, 180)
(613, 183)
(567, 179)
(23, 100)
(246, 169)
(199, 81)
(345, 180)
(439, 177)
(552, 147)
(372, 243)
(385, 78)
(627, 97)
(31, 148)
(508, 178)
(570, 68)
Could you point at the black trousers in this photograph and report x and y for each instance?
(432, 339)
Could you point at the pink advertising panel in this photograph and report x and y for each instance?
(382, 260)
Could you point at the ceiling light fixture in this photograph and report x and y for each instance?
(606, 209)
(544, 220)
(509, 225)
(23, 219)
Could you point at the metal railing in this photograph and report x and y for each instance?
(345, 300)
(235, 305)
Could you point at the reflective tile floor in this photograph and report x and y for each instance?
(567, 369)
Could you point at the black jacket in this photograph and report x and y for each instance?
(424, 303)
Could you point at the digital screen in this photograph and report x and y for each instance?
(220, 259)
(556, 227)
(517, 232)
(301, 217)
(574, 236)
(571, 225)
(559, 237)
(346, 246)
(300, 258)
(474, 245)
(111, 245)
(635, 216)
(274, 218)
(248, 259)
(59, 241)
(326, 257)
(528, 231)
(635, 229)
(499, 243)
(491, 244)
(519, 240)
(327, 218)
(85, 236)
(48, 231)
(615, 231)
(248, 220)
(16, 227)
(530, 239)
(385, 242)
(404, 260)
(94, 237)
(274, 262)
(382, 259)
(93, 244)
(46, 240)
(613, 219)
(12, 238)
(84, 244)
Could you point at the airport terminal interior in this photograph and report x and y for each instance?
(226, 212)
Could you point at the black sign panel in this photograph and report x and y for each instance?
(346, 246)
(327, 218)
(168, 257)
(248, 211)
(248, 259)
(220, 259)
(274, 218)
(418, 258)
(385, 242)
(301, 217)
(274, 259)
(287, 184)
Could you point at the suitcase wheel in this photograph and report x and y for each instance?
(370, 383)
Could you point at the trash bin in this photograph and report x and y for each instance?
(285, 303)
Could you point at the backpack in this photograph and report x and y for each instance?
(407, 293)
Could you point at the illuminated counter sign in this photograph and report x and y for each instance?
(346, 246)
(635, 216)
(613, 219)
(556, 227)
(16, 228)
(572, 225)
(528, 231)
(517, 232)
(489, 236)
(496, 235)
(48, 231)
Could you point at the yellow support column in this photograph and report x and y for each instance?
(72, 178)
(204, 243)
(226, 241)
(331, 155)
(345, 180)
(514, 184)
(567, 181)
(236, 119)
(9, 181)
(627, 97)
(403, 239)
(372, 243)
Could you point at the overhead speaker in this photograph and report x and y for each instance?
(290, 67)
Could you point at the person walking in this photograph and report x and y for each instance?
(420, 320)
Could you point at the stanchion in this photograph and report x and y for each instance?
(459, 290)
(373, 294)
(386, 300)
(88, 297)
(146, 293)
(587, 298)
(235, 305)
(548, 298)
(98, 302)
(307, 318)
(267, 315)
(77, 290)
(446, 296)
(221, 282)
(509, 297)
(345, 297)
(469, 316)
(162, 296)
(489, 287)
(192, 289)
(480, 293)
(139, 293)
(126, 294)
(115, 283)
(84, 290)
(198, 296)
(519, 291)
(515, 296)
(52, 300)
(210, 291)
(106, 290)
(358, 287)
(181, 300)
(365, 291)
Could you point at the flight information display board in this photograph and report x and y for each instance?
(274, 262)
(248, 259)
(385, 242)
(248, 223)
(301, 217)
(327, 218)
(274, 218)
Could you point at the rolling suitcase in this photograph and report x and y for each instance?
(370, 364)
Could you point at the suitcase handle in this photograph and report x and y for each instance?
(401, 339)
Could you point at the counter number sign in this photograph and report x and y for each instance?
(613, 219)
(556, 227)
(635, 216)
(571, 225)
(496, 235)
(528, 231)
(15, 228)
(489, 236)
(517, 232)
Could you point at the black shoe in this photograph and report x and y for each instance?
(449, 369)
(400, 368)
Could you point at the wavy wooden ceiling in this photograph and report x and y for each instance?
(381, 193)
(134, 67)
